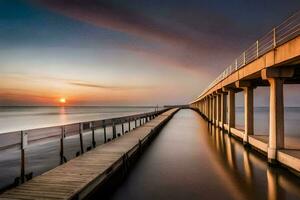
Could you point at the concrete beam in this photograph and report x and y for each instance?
(243, 84)
(232, 87)
(283, 72)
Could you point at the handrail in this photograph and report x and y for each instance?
(21, 140)
(284, 32)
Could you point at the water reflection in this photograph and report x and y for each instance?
(193, 160)
(249, 171)
(62, 115)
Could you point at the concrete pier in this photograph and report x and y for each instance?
(272, 67)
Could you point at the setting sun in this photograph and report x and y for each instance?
(62, 100)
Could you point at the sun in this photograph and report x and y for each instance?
(62, 100)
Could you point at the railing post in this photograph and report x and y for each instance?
(24, 143)
(93, 134)
(257, 53)
(62, 145)
(274, 37)
(244, 55)
(122, 128)
(114, 129)
(104, 131)
(80, 137)
(236, 64)
(129, 124)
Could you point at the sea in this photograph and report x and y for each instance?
(45, 156)
(16, 118)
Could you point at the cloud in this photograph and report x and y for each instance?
(195, 30)
(202, 38)
(92, 85)
(81, 83)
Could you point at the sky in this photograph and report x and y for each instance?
(125, 52)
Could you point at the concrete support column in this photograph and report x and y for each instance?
(231, 109)
(248, 113)
(206, 107)
(218, 109)
(223, 109)
(276, 126)
(214, 110)
(275, 77)
(210, 108)
(201, 107)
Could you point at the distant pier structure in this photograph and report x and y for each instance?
(272, 61)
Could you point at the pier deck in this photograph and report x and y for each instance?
(289, 156)
(77, 178)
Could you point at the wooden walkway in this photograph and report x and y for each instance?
(77, 178)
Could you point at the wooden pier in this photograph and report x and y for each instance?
(79, 177)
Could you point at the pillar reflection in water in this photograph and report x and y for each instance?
(244, 168)
(247, 167)
(274, 191)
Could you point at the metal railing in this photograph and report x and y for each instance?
(83, 132)
(279, 35)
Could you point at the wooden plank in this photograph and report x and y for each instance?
(76, 177)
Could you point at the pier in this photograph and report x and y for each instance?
(78, 178)
(271, 61)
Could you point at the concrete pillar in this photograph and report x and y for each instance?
(248, 113)
(205, 107)
(218, 109)
(215, 110)
(210, 108)
(276, 126)
(201, 110)
(231, 109)
(223, 109)
(275, 77)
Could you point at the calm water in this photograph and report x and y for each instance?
(21, 118)
(261, 120)
(186, 161)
